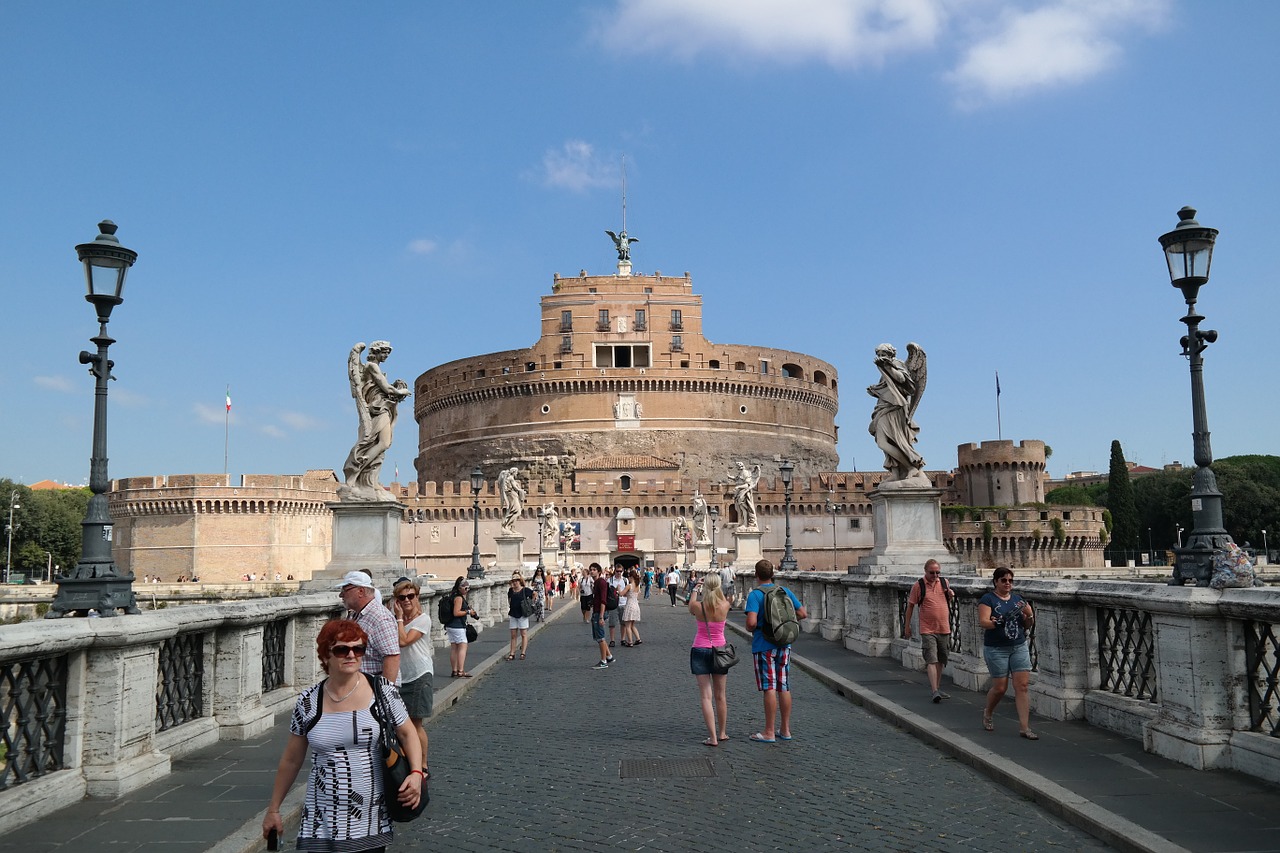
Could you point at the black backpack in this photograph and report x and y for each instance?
(946, 589)
(611, 600)
(444, 610)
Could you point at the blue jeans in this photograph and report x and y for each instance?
(1003, 660)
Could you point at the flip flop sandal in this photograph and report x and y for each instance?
(759, 738)
(512, 657)
(988, 723)
(1029, 735)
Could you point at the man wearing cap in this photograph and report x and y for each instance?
(383, 654)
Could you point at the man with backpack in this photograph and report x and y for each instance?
(773, 618)
(932, 594)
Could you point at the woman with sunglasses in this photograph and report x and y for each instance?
(336, 721)
(456, 627)
(1005, 617)
(417, 669)
(516, 616)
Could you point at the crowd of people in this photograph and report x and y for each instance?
(379, 658)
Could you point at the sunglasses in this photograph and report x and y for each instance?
(409, 597)
(931, 574)
(1005, 580)
(346, 651)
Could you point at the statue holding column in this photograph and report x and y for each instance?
(376, 402)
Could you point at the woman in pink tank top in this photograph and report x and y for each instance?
(709, 606)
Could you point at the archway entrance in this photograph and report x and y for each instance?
(627, 559)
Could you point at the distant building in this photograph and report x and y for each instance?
(1093, 478)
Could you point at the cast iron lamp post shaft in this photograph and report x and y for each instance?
(95, 549)
(475, 570)
(788, 558)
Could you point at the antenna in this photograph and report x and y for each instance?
(624, 192)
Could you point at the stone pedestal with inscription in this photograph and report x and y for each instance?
(510, 553)
(908, 531)
(366, 535)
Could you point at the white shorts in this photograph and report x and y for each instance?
(521, 622)
(456, 635)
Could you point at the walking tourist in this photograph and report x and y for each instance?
(1005, 617)
(772, 661)
(364, 607)
(519, 606)
(673, 583)
(336, 720)
(599, 599)
(613, 607)
(933, 595)
(456, 627)
(417, 669)
(631, 611)
(538, 583)
(709, 606)
(586, 594)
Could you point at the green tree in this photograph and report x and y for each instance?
(1070, 496)
(1124, 512)
(46, 527)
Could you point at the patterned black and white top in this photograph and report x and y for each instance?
(343, 811)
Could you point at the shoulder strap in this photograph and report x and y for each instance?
(920, 584)
(311, 723)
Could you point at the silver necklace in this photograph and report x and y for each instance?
(338, 701)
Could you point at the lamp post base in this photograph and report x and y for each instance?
(103, 595)
(1195, 561)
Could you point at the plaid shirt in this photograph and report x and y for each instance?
(384, 639)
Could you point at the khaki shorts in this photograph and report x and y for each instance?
(934, 647)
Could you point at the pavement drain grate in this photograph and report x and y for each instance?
(666, 768)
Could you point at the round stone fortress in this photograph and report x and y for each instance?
(621, 377)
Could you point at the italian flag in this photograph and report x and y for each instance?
(228, 398)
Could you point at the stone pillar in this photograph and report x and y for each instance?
(747, 550)
(120, 720)
(870, 614)
(550, 558)
(908, 531)
(702, 556)
(510, 553)
(237, 684)
(366, 535)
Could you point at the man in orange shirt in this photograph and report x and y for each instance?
(933, 596)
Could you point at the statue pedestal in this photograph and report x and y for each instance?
(702, 556)
(747, 550)
(366, 535)
(908, 532)
(510, 551)
(551, 558)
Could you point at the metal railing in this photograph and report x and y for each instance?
(273, 654)
(1262, 672)
(33, 712)
(1126, 654)
(180, 689)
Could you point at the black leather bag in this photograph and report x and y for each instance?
(722, 657)
(396, 766)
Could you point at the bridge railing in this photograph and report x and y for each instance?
(1192, 673)
(101, 706)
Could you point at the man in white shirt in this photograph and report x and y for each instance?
(673, 584)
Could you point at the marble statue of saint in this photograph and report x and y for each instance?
(680, 533)
(744, 481)
(622, 242)
(551, 526)
(893, 424)
(513, 495)
(376, 402)
(700, 533)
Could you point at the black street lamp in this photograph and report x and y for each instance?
(475, 570)
(714, 512)
(8, 563)
(1151, 549)
(833, 508)
(542, 520)
(95, 583)
(786, 469)
(1188, 249)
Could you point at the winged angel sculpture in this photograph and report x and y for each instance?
(622, 242)
(893, 423)
(376, 401)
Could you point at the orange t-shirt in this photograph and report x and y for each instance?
(935, 617)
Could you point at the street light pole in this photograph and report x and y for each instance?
(8, 563)
(714, 512)
(1265, 551)
(475, 570)
(1151, 549)
(542, 520)
(95, 583)
(786, 469)
(832, 508)
(1188, 249)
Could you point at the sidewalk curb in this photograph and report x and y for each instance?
(1079, 811)
(248, 837)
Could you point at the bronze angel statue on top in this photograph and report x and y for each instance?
(893, 423)
(622, 242)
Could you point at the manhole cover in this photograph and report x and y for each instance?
(665, 768)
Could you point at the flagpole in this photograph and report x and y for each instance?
(226, 433)
(999, 427)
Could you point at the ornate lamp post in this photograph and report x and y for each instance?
(1265, 552)
(833, 508)
(542, 520)
(1188, 249)
(94, 582)
(714, 512)
(475, 570)
(786, 469)
(8, 563)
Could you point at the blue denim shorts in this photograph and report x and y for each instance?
(1003, 660)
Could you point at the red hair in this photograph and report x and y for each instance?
(338, 631)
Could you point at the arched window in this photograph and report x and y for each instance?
(625, 482)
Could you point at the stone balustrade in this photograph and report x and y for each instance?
(1193, 673)
(101, 706)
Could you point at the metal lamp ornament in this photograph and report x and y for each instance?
(94, 583)
(1188, 250)
(475, 570)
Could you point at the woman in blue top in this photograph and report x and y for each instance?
(1006, 616)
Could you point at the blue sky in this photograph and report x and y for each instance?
(985, 178)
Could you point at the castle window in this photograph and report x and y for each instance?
(602, 320)
(684, 363)
(714, 364)
(677, 343)
(764, 367)
(742, 410)
(625, 482)
(677, 320)
(566, 321)
(546, 410)
(793, 371)
(819, 377)
(622, 355)
(855, 524)
(566, 344)
(530, 366)
(640, 320)
(480, 373)
(739, 365)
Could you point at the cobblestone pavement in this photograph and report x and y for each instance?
(533, 758)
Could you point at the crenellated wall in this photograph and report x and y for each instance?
(999, 473)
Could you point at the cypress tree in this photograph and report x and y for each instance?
(1124, 511)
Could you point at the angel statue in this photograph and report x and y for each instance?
(513, 495)
(897, 395)
(744, 495)
(680, 533)
(700, 534)
(376, 401)
(551, 527)
(622, 241)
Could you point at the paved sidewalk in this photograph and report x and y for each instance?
(547, 754)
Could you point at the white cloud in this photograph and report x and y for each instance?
(56, 383)
(1060, 43)
(839, 32)
(576, 166)
(297, 420)
(207, 414)
(272, 431)
(423, 246)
